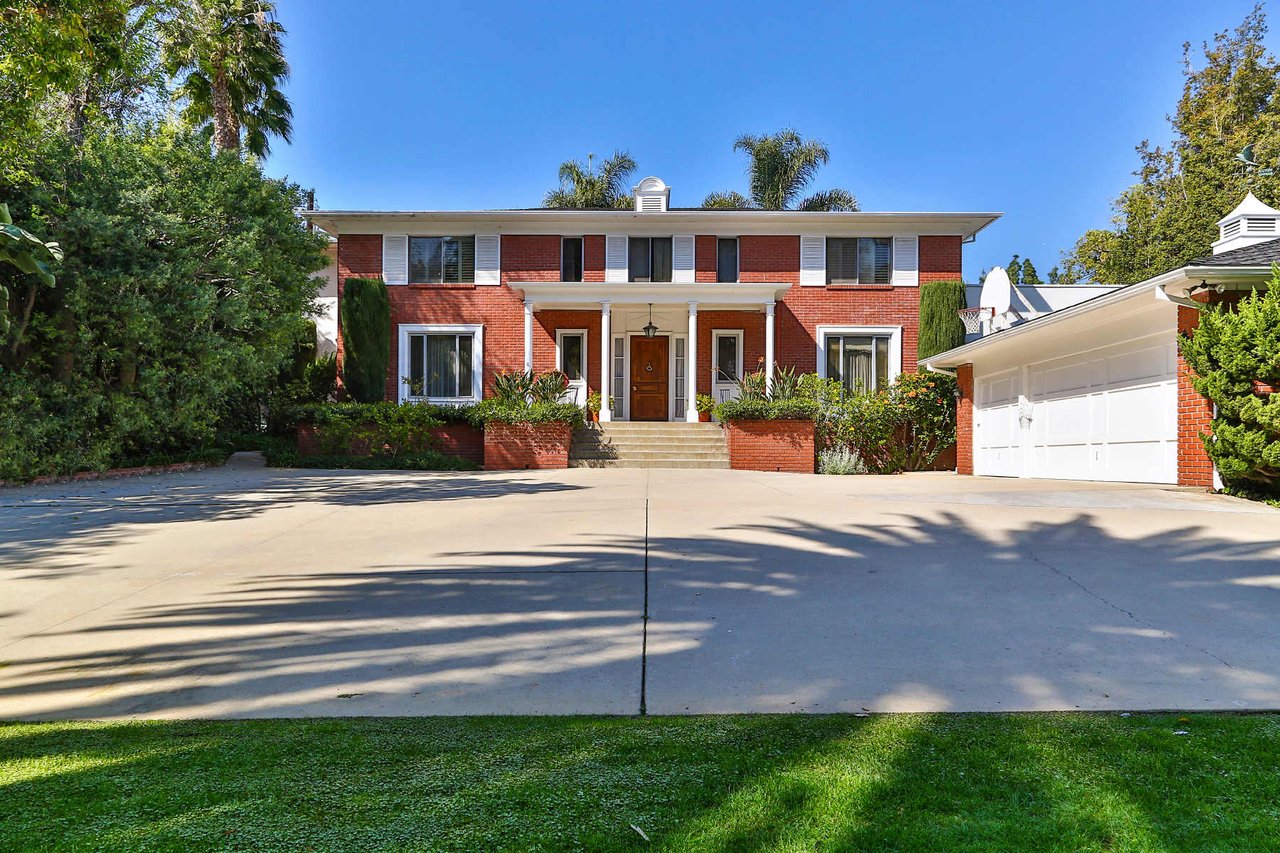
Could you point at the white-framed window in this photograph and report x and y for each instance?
(727, 259)
(441, 363)
(571, 360)
(571, 259)
(649, 259)
(863, 358)
(619, 396)
(442, 260)
(859, 260)
(726, 363)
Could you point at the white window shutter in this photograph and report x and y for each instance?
(395, 258)
(488, 259)
(682, 258)
(906, 261)
(615, 257)
(813, 260)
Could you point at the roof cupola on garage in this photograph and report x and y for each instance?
(1250, 223)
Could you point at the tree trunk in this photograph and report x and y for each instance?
(226, 125)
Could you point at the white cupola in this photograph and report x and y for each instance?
(652, 196)
(1251, 222)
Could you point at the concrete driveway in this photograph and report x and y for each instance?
(244, 592)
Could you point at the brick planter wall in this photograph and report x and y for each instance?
(461, 440)
(771, 446)
(512, 447)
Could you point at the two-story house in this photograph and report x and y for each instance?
(632, 303)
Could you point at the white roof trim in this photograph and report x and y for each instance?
(592, 293)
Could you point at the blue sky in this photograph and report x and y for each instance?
(1027, 108)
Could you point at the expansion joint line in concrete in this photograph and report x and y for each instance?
(644, 618)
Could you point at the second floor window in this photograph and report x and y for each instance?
(442, 260)
(859, 260)
(727, 259)
(649, 259)
(571, 259)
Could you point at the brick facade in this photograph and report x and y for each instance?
(964, 420)
(461, 440)
(1195, 416)
(771, 446)
(762, 259)
(514, 447)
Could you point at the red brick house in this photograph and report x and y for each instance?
(474, 293)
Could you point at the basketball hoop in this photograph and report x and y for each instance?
(973, 319)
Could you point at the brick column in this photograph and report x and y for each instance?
(1195, 416)
(964, 420)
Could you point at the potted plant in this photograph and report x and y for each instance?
(704, 403)
(593, 406)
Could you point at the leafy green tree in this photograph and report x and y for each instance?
(1028, 274)
(1055, 276)
(366, 334)
(1231, 349)
(781, 165)
(1014, 270)
(29, 254)
(230, 60)
(940, 326)
(582, 185)
(1169, 216)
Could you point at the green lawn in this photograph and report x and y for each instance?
(1065, 782)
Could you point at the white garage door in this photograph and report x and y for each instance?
(1108, 414)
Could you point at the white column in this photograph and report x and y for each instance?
(606, 362)
(528, 335)
(768, 346)
(691, 370)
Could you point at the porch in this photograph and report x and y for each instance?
(644, 343)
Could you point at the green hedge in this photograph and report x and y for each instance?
(366, 337)
(941, 328)
(514, 412)
(424, 460)
(756, 409)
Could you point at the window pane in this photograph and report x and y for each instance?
(857, 369)
(417, 363)
(874, 260)
(571, 355)
(452, 261)
(727, 260)
(661, 259)
(842, 260)
(726, 358)
(465, 374)
(638, 259)
(882, 363)
(442, 365)
(833, 357)
(467, 259)
(424, 260)
(571, 259)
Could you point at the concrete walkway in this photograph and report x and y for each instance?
(244, 592)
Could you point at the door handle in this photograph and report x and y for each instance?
(633, 387)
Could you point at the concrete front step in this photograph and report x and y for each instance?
(649, 445)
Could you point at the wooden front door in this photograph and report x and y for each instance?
(649, 378)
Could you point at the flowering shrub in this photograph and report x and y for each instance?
(901, 428)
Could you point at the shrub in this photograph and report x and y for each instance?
(548, 387)
(320, 379)
(1231, 349)
(513, 386)
(840, 460)
(501, 411)
(941, 328)
(901, 428)
(793, 397)
(385, 428)
(422, 460)
(704, 402)
(366, 337)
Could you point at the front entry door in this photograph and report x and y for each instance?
(649, 378)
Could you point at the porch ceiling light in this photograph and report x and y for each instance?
(650, 330)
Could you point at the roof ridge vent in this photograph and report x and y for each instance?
(1251, 222)
(652, 196)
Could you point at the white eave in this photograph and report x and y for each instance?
(547, 221)
(589, 294)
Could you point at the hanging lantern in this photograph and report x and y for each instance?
(650, 330)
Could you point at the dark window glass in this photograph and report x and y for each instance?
(727, 259)
(638, 260)
(661, 259)
(572, 355)
(465, 378)
(442, 260)
(571, 259)
(440, 365)
(726, 358)
(860, 362)
(859, 260)
(417, 364)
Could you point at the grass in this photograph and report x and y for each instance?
(1069, 782)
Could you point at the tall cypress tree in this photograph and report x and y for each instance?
(366, 338)
(940, 326)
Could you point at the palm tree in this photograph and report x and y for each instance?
(782, 165)
(582, 185)
(229, 58)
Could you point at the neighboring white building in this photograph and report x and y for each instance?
(327, 321)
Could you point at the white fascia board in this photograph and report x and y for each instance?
(592, 293)
(757, 222)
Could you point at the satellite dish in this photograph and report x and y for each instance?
(997, 291)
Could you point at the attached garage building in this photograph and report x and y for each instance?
(1097, 391)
